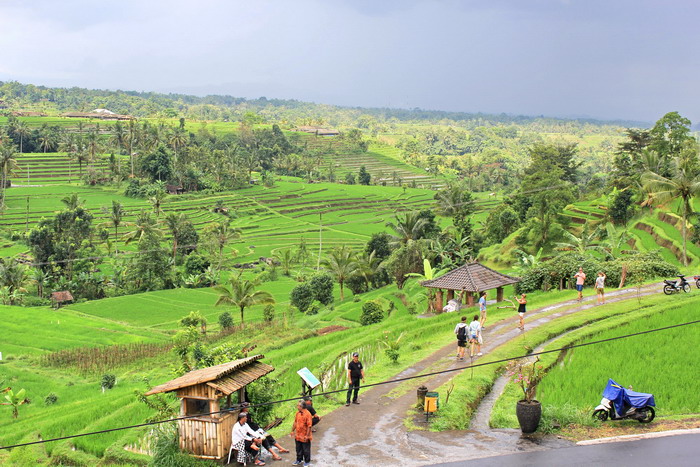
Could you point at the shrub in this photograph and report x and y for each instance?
(301, 296)
(108, 381)
(357, 284)
(371, 313)
(225, 320)
(313, 309)
(195, 264)
(263, 391)
(269, 313)
(51, 399)
(322, 287)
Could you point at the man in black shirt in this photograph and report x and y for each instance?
(310, 407)
(355, 373)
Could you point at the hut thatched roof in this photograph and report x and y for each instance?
(227, 377)
(64, 296)
(472, 277)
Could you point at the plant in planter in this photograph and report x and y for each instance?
(527, 375)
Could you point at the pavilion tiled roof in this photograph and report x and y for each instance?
(227, 377)
(471, 277)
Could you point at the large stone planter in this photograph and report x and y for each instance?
(529, 415)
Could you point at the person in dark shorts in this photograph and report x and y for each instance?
(356, 372)
(522, 309)
(462, 330)
(315, 418)
(580, 279)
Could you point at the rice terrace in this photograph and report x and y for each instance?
(188, 277)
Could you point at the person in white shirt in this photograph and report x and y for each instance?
(600, 288)
(474, 336)
(462, 332)
(243, 436)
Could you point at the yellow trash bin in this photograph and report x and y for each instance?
(432, 402)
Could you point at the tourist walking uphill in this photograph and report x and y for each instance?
(522, 309)
(356, 373)
(475, 336)
(461, 332)
(580, 279)
(482, 308)
(600, 288)
(301, 431)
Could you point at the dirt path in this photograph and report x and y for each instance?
(373, 432)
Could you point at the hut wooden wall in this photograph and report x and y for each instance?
(199, 391)
(205, 437)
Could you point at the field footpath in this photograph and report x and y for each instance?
(374, 433)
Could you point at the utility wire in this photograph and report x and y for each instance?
(397, 380)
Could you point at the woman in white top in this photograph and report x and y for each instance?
(474, 335)
(600, 287)
(243, 436)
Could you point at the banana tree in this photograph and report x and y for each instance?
(15, 399)
(429, 273)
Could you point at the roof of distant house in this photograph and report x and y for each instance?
(471, 277)
(63, 296)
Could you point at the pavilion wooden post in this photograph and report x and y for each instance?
(450, 294)
(438, 301)
(499, 294)
(470, 299)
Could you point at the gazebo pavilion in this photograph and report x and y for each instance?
(468, 280)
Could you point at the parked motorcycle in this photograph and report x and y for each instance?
(676, 286)
(619, 403)
(697, 281)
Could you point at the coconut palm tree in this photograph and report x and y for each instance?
(175, 223)
(156, 200)
(219, 234)
(8, 166)
(145, 225)
(684, 185)
(367, 265)
(407, 226)
(116, 214)
(242, 293)
(72, 201)
(177, 139)
(21, 130)
(41, 278)
(342, 264)
(13, 276)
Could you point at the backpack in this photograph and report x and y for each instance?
(462, 333)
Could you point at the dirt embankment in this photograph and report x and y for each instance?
(663, 242)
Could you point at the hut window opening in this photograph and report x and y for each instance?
(196, 407)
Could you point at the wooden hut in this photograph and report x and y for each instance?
(205, 433)
(59, 298)
(468, 280)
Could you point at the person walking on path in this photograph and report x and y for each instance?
(356, 372)
(600, 288)
(522, 305)
(461, 332)
(301, 431)
(475, 336)
(580, 279)
(482, 308)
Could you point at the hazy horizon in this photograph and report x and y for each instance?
(617, 60)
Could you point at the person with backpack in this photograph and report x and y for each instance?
(461, 332)
(475, 336)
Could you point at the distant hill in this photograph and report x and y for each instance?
(16, 96)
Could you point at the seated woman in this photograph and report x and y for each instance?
(268, 441)
(245, 440)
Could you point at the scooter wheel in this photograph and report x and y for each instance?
(697, 283)
(668, 290)
(686, 288)
(601, 415)
(650, 414)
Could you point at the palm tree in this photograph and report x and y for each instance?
(683, 185)
(72, 201)
(583, 244)
(81, 156)
(93, 145)
(116, 214)
(156, 199)
(286, 259)
(22, 130)
(47, 141)
(177, 139)
(145, 225)
(408, 226)
(341, 263)
(8, 165)
(175, 222)
(367, 265)
(219, 234)
(13, 276)
(241, 293)
(41, 278)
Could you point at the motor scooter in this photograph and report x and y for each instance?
(676, 286)
(619, 403)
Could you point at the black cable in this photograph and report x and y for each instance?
(398, 380)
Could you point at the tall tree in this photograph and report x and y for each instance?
(116, 214)
(407, 226)
(145, 225)
(8, 166)
(684, 184)
(219, 234)
(342, 264)
(242, 293)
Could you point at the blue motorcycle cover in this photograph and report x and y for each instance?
(622, 397)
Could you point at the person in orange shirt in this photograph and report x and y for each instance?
(301, 431)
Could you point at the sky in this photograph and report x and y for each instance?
(607, 59)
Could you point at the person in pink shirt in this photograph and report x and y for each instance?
(580, 279)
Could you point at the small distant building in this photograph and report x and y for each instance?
(468, 280)
(175, 189)
(317, 130)
(206, 433)
(102, 114)
(61, 298)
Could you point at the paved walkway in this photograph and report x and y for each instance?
(373, 433)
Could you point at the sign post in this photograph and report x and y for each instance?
(308, 381)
